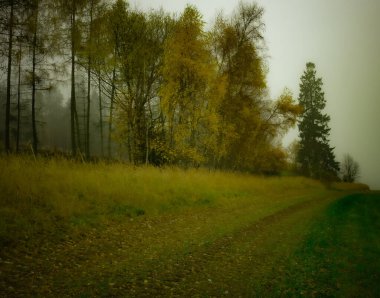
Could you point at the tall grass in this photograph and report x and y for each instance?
(48, 196)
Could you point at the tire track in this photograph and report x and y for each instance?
(120, 262)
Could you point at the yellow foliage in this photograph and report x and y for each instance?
(190, 93)
(288, 109)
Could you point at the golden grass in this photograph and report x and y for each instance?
(44, 196)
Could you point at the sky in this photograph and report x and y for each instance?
(342, 37)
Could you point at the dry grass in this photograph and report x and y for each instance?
(88, 230)
(47, 196)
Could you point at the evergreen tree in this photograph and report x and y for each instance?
(315, 154)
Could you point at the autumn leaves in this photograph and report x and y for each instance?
(214, 97)
(165, 89)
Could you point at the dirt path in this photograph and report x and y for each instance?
(171, 255)
(237, 265)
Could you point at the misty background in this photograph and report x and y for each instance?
(342, 37)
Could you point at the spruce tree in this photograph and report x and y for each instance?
(315, 156)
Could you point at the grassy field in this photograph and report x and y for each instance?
(52, 196)
(340, 255)
(103, 230)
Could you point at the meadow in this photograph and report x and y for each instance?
(85, 229)
(49, 195)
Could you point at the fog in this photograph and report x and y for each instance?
(342, 37)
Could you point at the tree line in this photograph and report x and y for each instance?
(154, 88)
(166, 90)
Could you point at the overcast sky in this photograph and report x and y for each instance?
(342, 37)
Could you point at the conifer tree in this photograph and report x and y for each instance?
(315, 155)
